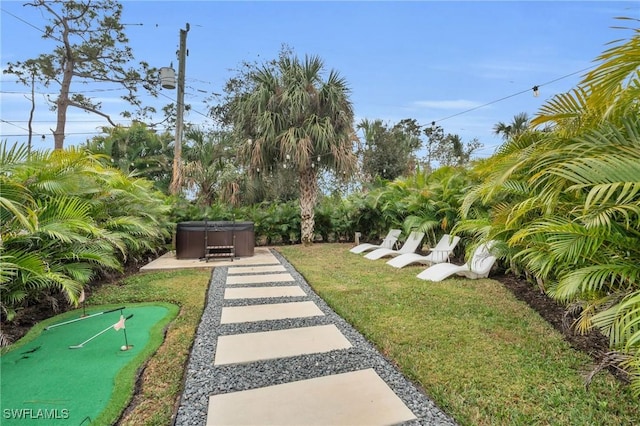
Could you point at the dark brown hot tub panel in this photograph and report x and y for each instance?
(214, 239)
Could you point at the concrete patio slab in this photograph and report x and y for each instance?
(258, 279)
(261, 256)
(256, 269)
(348, 399)
(249, 347)
(271, 311)
(266, 292)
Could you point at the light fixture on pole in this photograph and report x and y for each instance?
(168, 77)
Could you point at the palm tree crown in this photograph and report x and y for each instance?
(292, 118)
(519, 124)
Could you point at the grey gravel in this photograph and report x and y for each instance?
(203, 379)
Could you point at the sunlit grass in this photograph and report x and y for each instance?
(161, 382)
(483, 356)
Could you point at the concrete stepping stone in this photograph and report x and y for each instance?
(354, 398)
(259, 258)
(258, 279)
(271, 311)
(256, 269)
(249, 347)
(263, 292)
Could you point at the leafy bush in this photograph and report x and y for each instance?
(64, 218)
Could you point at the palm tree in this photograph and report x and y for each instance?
(519, 124)
(568, 200)
(64, 218)
(292, 118)
(136, 150)
(210, 168)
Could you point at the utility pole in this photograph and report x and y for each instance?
(176, 179)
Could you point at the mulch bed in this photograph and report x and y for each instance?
(593, 343)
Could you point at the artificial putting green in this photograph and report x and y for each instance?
(44, 381)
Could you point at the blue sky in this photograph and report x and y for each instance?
(448, 61)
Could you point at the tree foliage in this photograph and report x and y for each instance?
(211, 168)
(91, 46)
(136, 150)
(518, 125)
(64, 219)
(292, 118)
(447, 149)
(389, 151)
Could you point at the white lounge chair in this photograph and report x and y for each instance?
(411, 245)
(478, 267)
(440, 253)
(388, 242)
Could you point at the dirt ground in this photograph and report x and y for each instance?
(593, 343)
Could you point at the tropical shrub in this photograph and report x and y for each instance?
(333, 219)
(567, 200)
(365, 217)
(136, 150)
(64, 218)
(426, 202)
(276, 222)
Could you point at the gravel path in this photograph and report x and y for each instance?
(204, 379)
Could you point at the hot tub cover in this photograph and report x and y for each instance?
(217, 225)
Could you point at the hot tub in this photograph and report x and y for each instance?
(190, 238)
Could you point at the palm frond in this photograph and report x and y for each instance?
(596, 278)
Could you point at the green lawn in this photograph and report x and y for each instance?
(483, 356)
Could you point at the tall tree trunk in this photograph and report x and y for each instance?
(62, 105)
(65, 88)
(31, 111)
(308, 198)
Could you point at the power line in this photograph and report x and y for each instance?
(66, 121)
(190, 109)
(15, 92)
(534, 89)
(31, 25)
(15, 125)
(201, 81)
